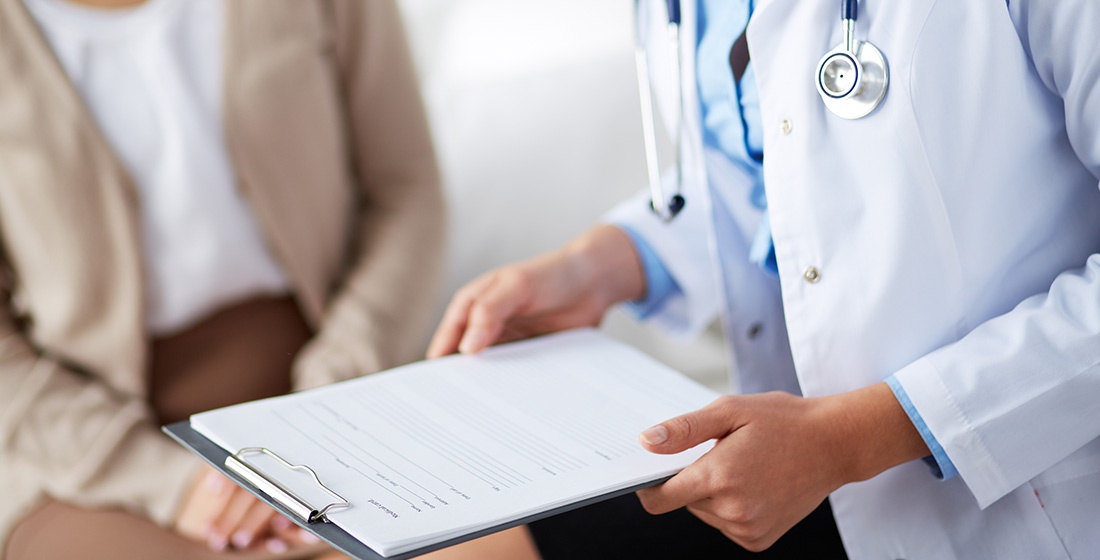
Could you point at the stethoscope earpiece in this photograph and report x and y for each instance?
(852, 78)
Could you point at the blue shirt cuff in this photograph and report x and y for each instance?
(939, 462)
(660, 286)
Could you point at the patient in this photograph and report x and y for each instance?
(201, 202)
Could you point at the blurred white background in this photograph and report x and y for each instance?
(534, 107)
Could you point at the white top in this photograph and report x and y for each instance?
(152, 77)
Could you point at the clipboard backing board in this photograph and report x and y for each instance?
(337, 537)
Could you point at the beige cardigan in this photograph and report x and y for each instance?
(329, 141)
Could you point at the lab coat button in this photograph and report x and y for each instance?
(754, 330)
(786, 126)
(811, 274)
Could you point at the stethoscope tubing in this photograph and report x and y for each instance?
(845, 103)
(673, 12)
(665, 208)
(849, 10)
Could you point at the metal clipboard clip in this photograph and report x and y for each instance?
(281, 494)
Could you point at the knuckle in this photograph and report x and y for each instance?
(780, 398)
(648, 504)
(473, 289)
(482, 312)
(726, 404)
(724, 401)
(468, 292)
(709, 479)
(519, 280)
(686, 426)
(719, 483)
(458, 311)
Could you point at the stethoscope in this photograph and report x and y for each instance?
(852, 80)
(666, 209)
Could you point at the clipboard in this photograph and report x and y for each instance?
(312, 517)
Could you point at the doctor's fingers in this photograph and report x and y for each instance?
(455, 319)
(507, 295)
(692, 485)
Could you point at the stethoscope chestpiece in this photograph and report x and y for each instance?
(853, 85)
(852, 78)
(839, 75)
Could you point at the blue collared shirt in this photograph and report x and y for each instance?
(732, 126)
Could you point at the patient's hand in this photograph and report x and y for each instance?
(218, 512)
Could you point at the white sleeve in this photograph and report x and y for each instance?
(682, 247)
(1022, 391)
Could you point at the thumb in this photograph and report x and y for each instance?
(716, 420)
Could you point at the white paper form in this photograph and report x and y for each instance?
(436, 449)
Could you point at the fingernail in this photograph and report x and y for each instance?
(241, 539)
(217, 543)
(310, 538)
(655, 435)
(277, 546)
(281, 523)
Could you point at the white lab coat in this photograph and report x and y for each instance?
(956, 232)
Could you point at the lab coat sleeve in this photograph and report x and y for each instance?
(682, 248)
(1022, 391)
(939, 462)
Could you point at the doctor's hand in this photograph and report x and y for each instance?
(563, 289)
(777, 457)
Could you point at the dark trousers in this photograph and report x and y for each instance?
(620, 528)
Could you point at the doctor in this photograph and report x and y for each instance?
(922, 282)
